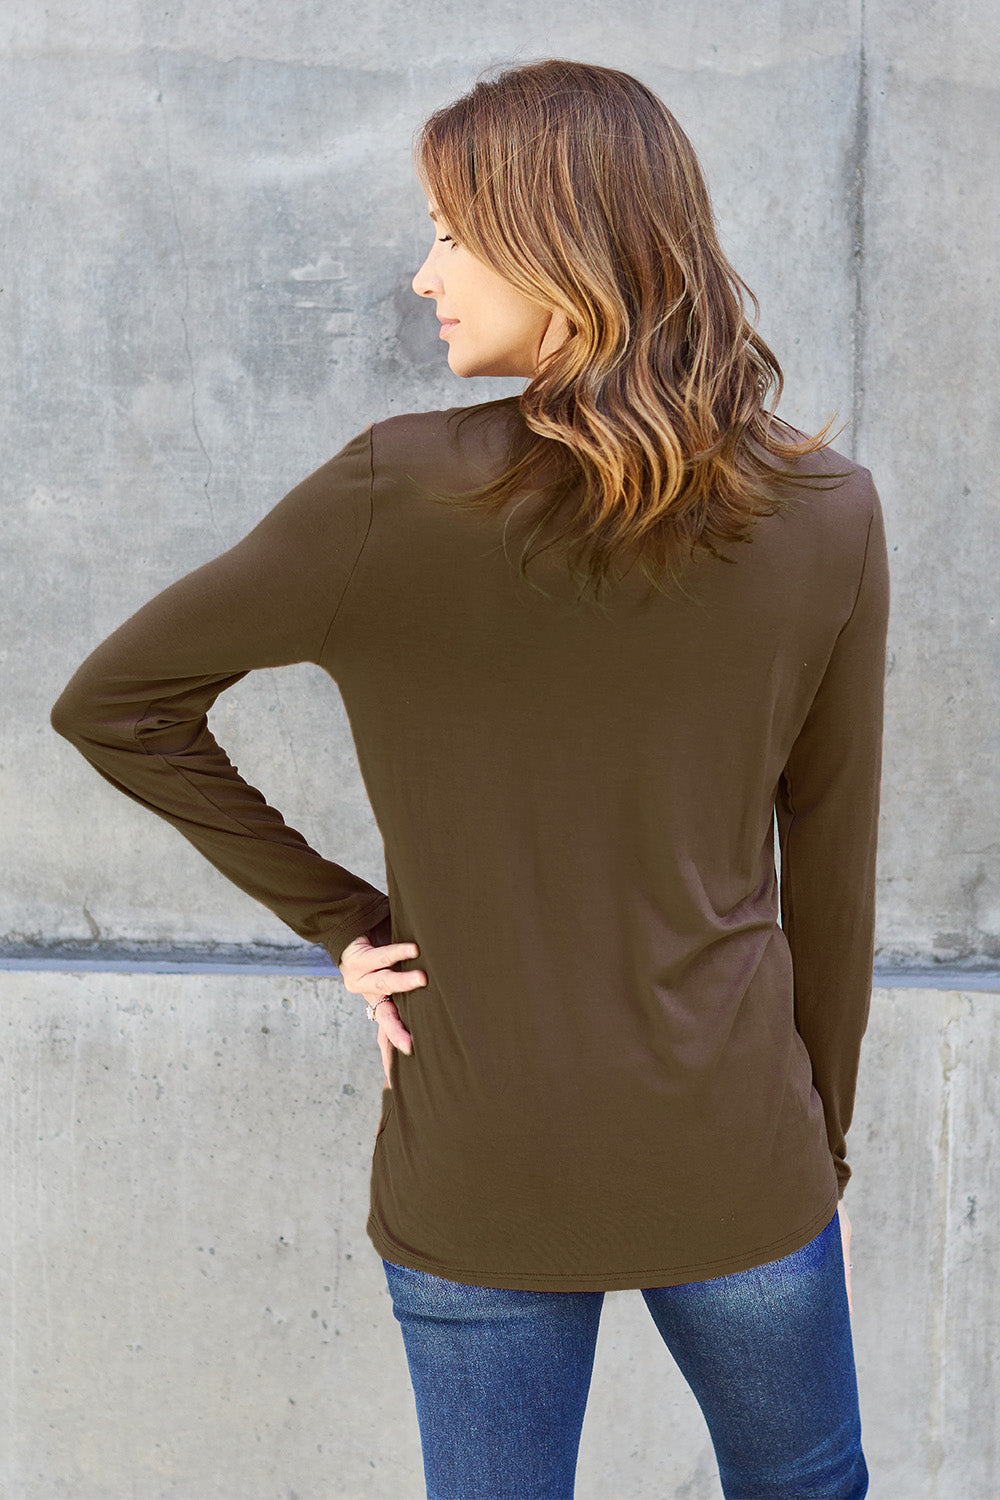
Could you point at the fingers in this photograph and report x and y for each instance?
(394, 1033)
(366, 969)
(385, 1047)
(363, 947)
(396, 981)
(392, 1027)
(398, 951)
(381, 985)
(391, 953)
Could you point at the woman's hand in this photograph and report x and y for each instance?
(845, 1240)
(366, 970)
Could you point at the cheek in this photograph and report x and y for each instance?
(512, 323)
(531, 327)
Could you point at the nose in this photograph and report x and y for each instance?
(425, 283)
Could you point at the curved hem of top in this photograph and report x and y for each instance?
(615, 1281)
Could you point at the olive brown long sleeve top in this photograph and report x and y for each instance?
(634, 1061)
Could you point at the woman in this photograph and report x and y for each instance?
(613, 1067)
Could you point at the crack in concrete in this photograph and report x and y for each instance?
(858, 349)
(187, 301)
(951, 1041)
(289, 741)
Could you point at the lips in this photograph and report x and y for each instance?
(447, 322)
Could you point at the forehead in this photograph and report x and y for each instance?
(432, 207)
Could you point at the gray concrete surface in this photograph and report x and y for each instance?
(192, 1307)
(210, 225)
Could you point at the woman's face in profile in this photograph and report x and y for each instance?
(489, 326)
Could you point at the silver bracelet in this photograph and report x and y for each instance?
(373, 1008)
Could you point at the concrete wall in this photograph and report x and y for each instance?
(211, 223)
(194, 1310)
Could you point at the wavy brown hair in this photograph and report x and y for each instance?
(576, 184)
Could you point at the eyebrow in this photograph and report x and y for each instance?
(433, 215)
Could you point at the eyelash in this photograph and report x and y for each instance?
(444, 239)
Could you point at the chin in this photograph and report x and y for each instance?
(468, 369)
(463, 369)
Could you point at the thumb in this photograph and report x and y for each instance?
(357, 945)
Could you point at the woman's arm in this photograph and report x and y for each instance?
(827, 811)
(137, 707)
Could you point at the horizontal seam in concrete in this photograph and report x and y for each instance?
(197, 55)
(938, 979)
(161, 966)
(943, 979)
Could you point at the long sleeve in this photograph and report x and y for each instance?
(137, 708)
(827, 811)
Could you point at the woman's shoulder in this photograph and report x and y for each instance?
(833, 490)
(478, 422)
(434, 442)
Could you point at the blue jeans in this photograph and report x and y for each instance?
(501, 1378)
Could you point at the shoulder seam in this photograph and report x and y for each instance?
(864, 560)
(361, 548)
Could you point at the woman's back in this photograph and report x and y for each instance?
(577, 807)
(613, 1068)
(612, 1076)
